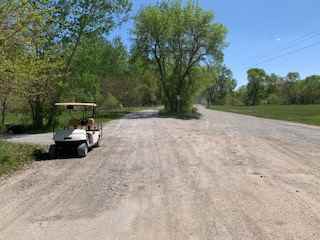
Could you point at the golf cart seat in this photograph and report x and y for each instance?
(91, 124)
(74, 123)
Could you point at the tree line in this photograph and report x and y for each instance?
(59, 51)
(263, 88)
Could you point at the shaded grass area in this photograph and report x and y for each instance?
(14, 156)
(307, 114)
(23, 124)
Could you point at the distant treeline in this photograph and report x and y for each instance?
(263, 88)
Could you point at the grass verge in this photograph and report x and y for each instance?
(307, 114)
(14, 156)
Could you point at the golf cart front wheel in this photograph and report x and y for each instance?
(98, 142)
(82, 150)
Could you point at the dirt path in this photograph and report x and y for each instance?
(225, 176)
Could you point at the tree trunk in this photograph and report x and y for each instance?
(37, 114)
(3, 112)
(53, 111)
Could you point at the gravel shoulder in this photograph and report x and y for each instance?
(225, 176)
(39, 139)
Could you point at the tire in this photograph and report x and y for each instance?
(53, 151)
(98, 143)
(82, 150)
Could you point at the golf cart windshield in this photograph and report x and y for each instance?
(79, 114)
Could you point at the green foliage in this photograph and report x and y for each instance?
(221, 87)
(109, 102)
(57, 51)
(176, 38)
(309, 90)
(256, 86)
(274, 89)
(50, 51)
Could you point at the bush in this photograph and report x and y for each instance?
(110, 103)
(274, 99)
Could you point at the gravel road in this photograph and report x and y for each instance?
(226, 176)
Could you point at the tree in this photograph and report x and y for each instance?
(288, 88)
(7, 85)
(77, 19)
(177, 38)
(15, 18)
(222, 86)
(256, 86)
(310, 90)
(39, 78)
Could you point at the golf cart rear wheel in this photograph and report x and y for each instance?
(82, 150)
(53, 151)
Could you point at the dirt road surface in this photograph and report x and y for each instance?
(226, 176)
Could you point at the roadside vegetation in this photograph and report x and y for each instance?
(56, 51)
(266, 95)
(307, 114)
(15, 156)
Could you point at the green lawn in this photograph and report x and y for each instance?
(308, 114)
(14, 156)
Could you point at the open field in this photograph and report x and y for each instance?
(307, 114)
(225, 176)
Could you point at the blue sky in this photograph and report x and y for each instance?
(260, 30)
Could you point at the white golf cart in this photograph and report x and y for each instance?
(81, 134)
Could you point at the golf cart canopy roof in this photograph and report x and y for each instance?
(77, 104)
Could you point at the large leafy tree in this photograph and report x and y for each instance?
(310, 90)
(39, 78)
(15, 19)
(256, 86)
(289, 89)
(177, 38)
(78, 19)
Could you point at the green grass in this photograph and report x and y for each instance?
(308, 114)
(14, 156)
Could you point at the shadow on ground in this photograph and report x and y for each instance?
(43, 155)
(157, 114)
(142, 115)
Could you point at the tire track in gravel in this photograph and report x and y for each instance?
(203, 198)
